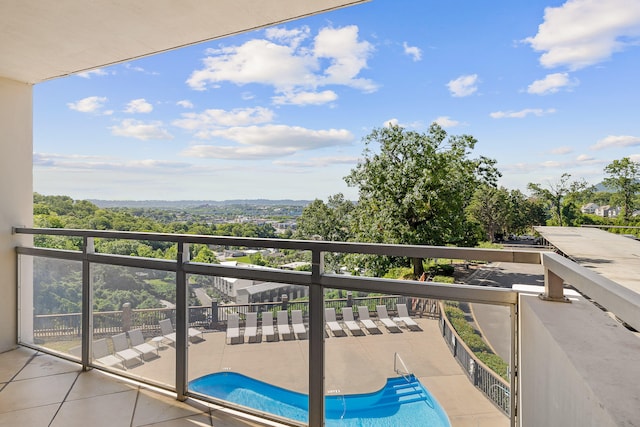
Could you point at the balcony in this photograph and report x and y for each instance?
(554, 345)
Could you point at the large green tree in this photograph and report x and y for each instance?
(414, 187)
(326, 221)
(560, 196)
(490, 208)
(624, 176)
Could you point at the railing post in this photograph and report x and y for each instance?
(126, 317)
(87, 302)
(214, 311)
(316, 342)
(285, 302)
(553, 287)
(181, 321)
(349, 299)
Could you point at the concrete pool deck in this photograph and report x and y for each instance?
(353, 364)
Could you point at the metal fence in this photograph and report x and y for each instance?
(490, 383)
(106, 323)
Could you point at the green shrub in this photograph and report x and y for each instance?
(443, 279)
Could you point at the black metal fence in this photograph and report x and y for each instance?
(106, 323)
(490, 383)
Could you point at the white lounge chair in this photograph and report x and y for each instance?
(267, 326)
(334, 326)
(102, 355)
(233, 329)
(139, 345)
(403, 316)
(350, 323)
(298, 324)
(383, 316)
(168, 332)
(251, 328)
(284, 329)
(370, 325)
(166, 328)
(124, 351)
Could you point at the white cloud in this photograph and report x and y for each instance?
(318, 162)
(522, 113)
(562, 150)
(334, 57)
(552, 83)
(131, 128)
(256, 142)
(395, 122)
(185, 103)
(91, 104)
(586, 159)
(634, 158)
(209, 120)
(138, 106)
(84, 162)
(463, 85)
(446, 122)
(581, 33)
(90, 73)
(291, 38)
(616, 141)
(412, 51)
(306, 98)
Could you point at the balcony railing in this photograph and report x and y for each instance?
(557, 269)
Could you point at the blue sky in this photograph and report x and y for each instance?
(546, 87)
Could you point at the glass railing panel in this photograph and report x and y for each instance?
(253, 350)
(50, 301)
(134, 318)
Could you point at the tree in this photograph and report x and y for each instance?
(416, 188)
(624, 176)
(490, 208)
(330, 221)
(560, 193)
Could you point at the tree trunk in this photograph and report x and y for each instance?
(418, 267)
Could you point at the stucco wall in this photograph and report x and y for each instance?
(16, 193)
(578, 367)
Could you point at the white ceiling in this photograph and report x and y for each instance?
(45, 39)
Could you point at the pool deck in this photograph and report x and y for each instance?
(354, 364)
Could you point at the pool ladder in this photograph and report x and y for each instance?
(398, 363)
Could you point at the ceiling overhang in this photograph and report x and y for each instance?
(42, 40)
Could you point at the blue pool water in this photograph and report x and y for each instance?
(401, 402)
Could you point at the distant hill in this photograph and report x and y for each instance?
(180, 204)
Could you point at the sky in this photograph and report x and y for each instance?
(546, 87)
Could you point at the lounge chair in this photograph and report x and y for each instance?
(166, 328)
(347, 319)
(126, 353)
(363, 315)
(284, 330)
(403, 316)
(383, 317)
(251, 328)
(139, 345)
(168, 332)
(233, 329)
(334, 326)
(267, 326)
(298, 324)
(102, 355)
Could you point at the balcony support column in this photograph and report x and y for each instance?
(316, 342)
(87, 303)
(182, 313)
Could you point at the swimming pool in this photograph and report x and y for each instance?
(401, 402)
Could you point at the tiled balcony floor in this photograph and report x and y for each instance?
(42, 390)
(38, 390)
